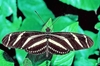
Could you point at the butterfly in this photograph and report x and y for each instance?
(36, 42)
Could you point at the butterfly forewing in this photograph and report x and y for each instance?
(21, 39)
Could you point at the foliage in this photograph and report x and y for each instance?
(32, 22)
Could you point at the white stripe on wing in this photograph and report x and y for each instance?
(37, 43)
(65, 39)
(18, 38)
(76, 39)
(8, 39)
(86, 40)
(30, 38)
(56, 43)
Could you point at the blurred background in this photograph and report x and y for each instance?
(80, 16)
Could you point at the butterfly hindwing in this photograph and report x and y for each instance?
(38, 46)
(56, 45)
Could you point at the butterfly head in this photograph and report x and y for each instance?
(47, 29)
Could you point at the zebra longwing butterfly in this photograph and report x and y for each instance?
(47, 42)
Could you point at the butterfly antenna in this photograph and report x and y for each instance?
(39, 16)
(44, 21)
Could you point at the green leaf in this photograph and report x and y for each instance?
(98, 40)
(31, 24)
(7, 7)
(99, 17)
(61, 22)
(62, 60)
(85, 62)
(74, 27)
(27, 62)
(29, 8)
(97, 26)
(72, 17)
(21, 55)
(83, 4)
(17, 22)
(98, 61)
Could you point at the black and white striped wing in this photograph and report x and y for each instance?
(32, 42)
(63, 42)
(40, 42)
